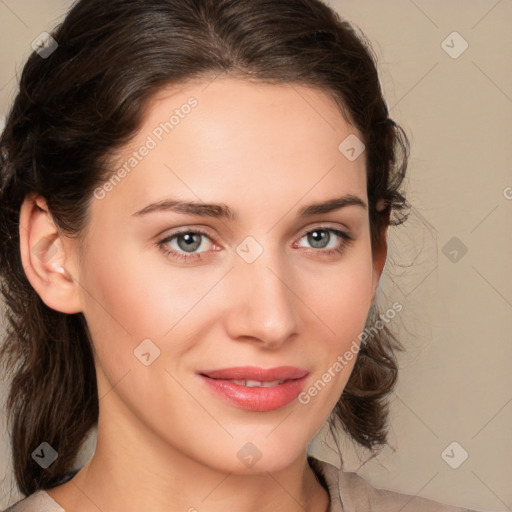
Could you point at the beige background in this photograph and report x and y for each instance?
(455, 383)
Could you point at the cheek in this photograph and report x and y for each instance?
(126, 294)
(341, 295)
(123, 306)
(341, 299)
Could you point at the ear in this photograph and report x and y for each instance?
(46, 258)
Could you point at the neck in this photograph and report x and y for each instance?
(126, 473)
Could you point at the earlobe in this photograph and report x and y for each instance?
(47, 265)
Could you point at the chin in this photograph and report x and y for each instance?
(261, 453)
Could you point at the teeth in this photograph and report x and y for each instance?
(257, 383)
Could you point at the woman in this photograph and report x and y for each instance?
(195, 199)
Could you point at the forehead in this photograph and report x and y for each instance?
(231, 139)
(239, 108)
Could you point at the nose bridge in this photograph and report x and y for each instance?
(264, 305)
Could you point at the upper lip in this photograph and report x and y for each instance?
(256, 373)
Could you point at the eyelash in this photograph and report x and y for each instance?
(347, 240)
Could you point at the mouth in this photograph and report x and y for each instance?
(256, 389)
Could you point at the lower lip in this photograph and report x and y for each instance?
(258, 399)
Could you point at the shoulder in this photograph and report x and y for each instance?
(39, 501)
(350, 492)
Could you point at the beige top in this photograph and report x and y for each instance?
(348, 492)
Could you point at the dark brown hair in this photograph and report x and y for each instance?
(85, 100)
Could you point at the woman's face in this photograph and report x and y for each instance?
(273, 283)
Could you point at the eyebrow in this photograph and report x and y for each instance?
(222, 211)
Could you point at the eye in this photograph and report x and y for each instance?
(321, 237)
(183, 245)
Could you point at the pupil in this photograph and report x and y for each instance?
(191, 244)
(317, 236)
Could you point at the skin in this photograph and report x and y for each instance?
(165, 442)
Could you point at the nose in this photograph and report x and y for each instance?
(262, 303)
